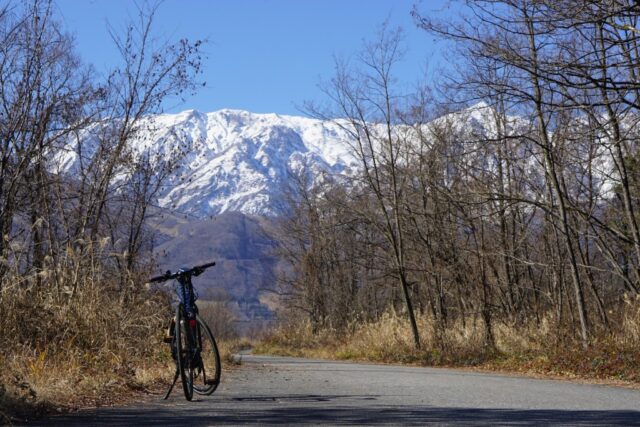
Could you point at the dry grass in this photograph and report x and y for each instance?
(229, 348)
(100, 346)
(538, 349)
(90, 346)
(387, 340)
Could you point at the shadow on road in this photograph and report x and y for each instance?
(223, 413)
(302, 398)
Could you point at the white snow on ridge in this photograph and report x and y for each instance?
(235, 160)
(241, 161)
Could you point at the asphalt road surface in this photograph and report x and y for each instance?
(289, 391)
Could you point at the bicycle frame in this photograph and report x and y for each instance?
(187, 295)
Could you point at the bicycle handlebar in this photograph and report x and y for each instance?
(196, 271)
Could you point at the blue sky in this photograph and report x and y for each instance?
(263, 55)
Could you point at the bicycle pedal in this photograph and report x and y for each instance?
(210, 382)
(168, 339)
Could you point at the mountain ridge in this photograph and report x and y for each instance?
(241, 161)
(238, 161)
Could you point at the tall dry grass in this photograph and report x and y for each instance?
(536, 348)
(94, 343)
(89, 343)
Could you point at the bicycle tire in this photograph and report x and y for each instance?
(183, 353)
(207, 377)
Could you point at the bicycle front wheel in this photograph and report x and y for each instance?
(184, 352)
(207, 374)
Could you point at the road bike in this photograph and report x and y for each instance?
(193, 347)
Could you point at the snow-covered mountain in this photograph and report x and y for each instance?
(237, 161)
(240, 162)
(230, 160)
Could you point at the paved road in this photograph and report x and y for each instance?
(281, 391)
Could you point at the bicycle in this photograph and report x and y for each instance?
(193, 347)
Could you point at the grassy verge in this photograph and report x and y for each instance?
(98, 344)
(537, 350)
(34, 384)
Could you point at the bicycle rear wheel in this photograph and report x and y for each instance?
(207, 373)
(184, 352)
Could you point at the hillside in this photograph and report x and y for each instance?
(237, 243)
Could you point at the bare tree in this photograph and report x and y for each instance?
(368, 108)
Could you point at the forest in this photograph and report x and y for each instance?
(510, 227)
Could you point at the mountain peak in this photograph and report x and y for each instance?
(243, 161)
(239, 161)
